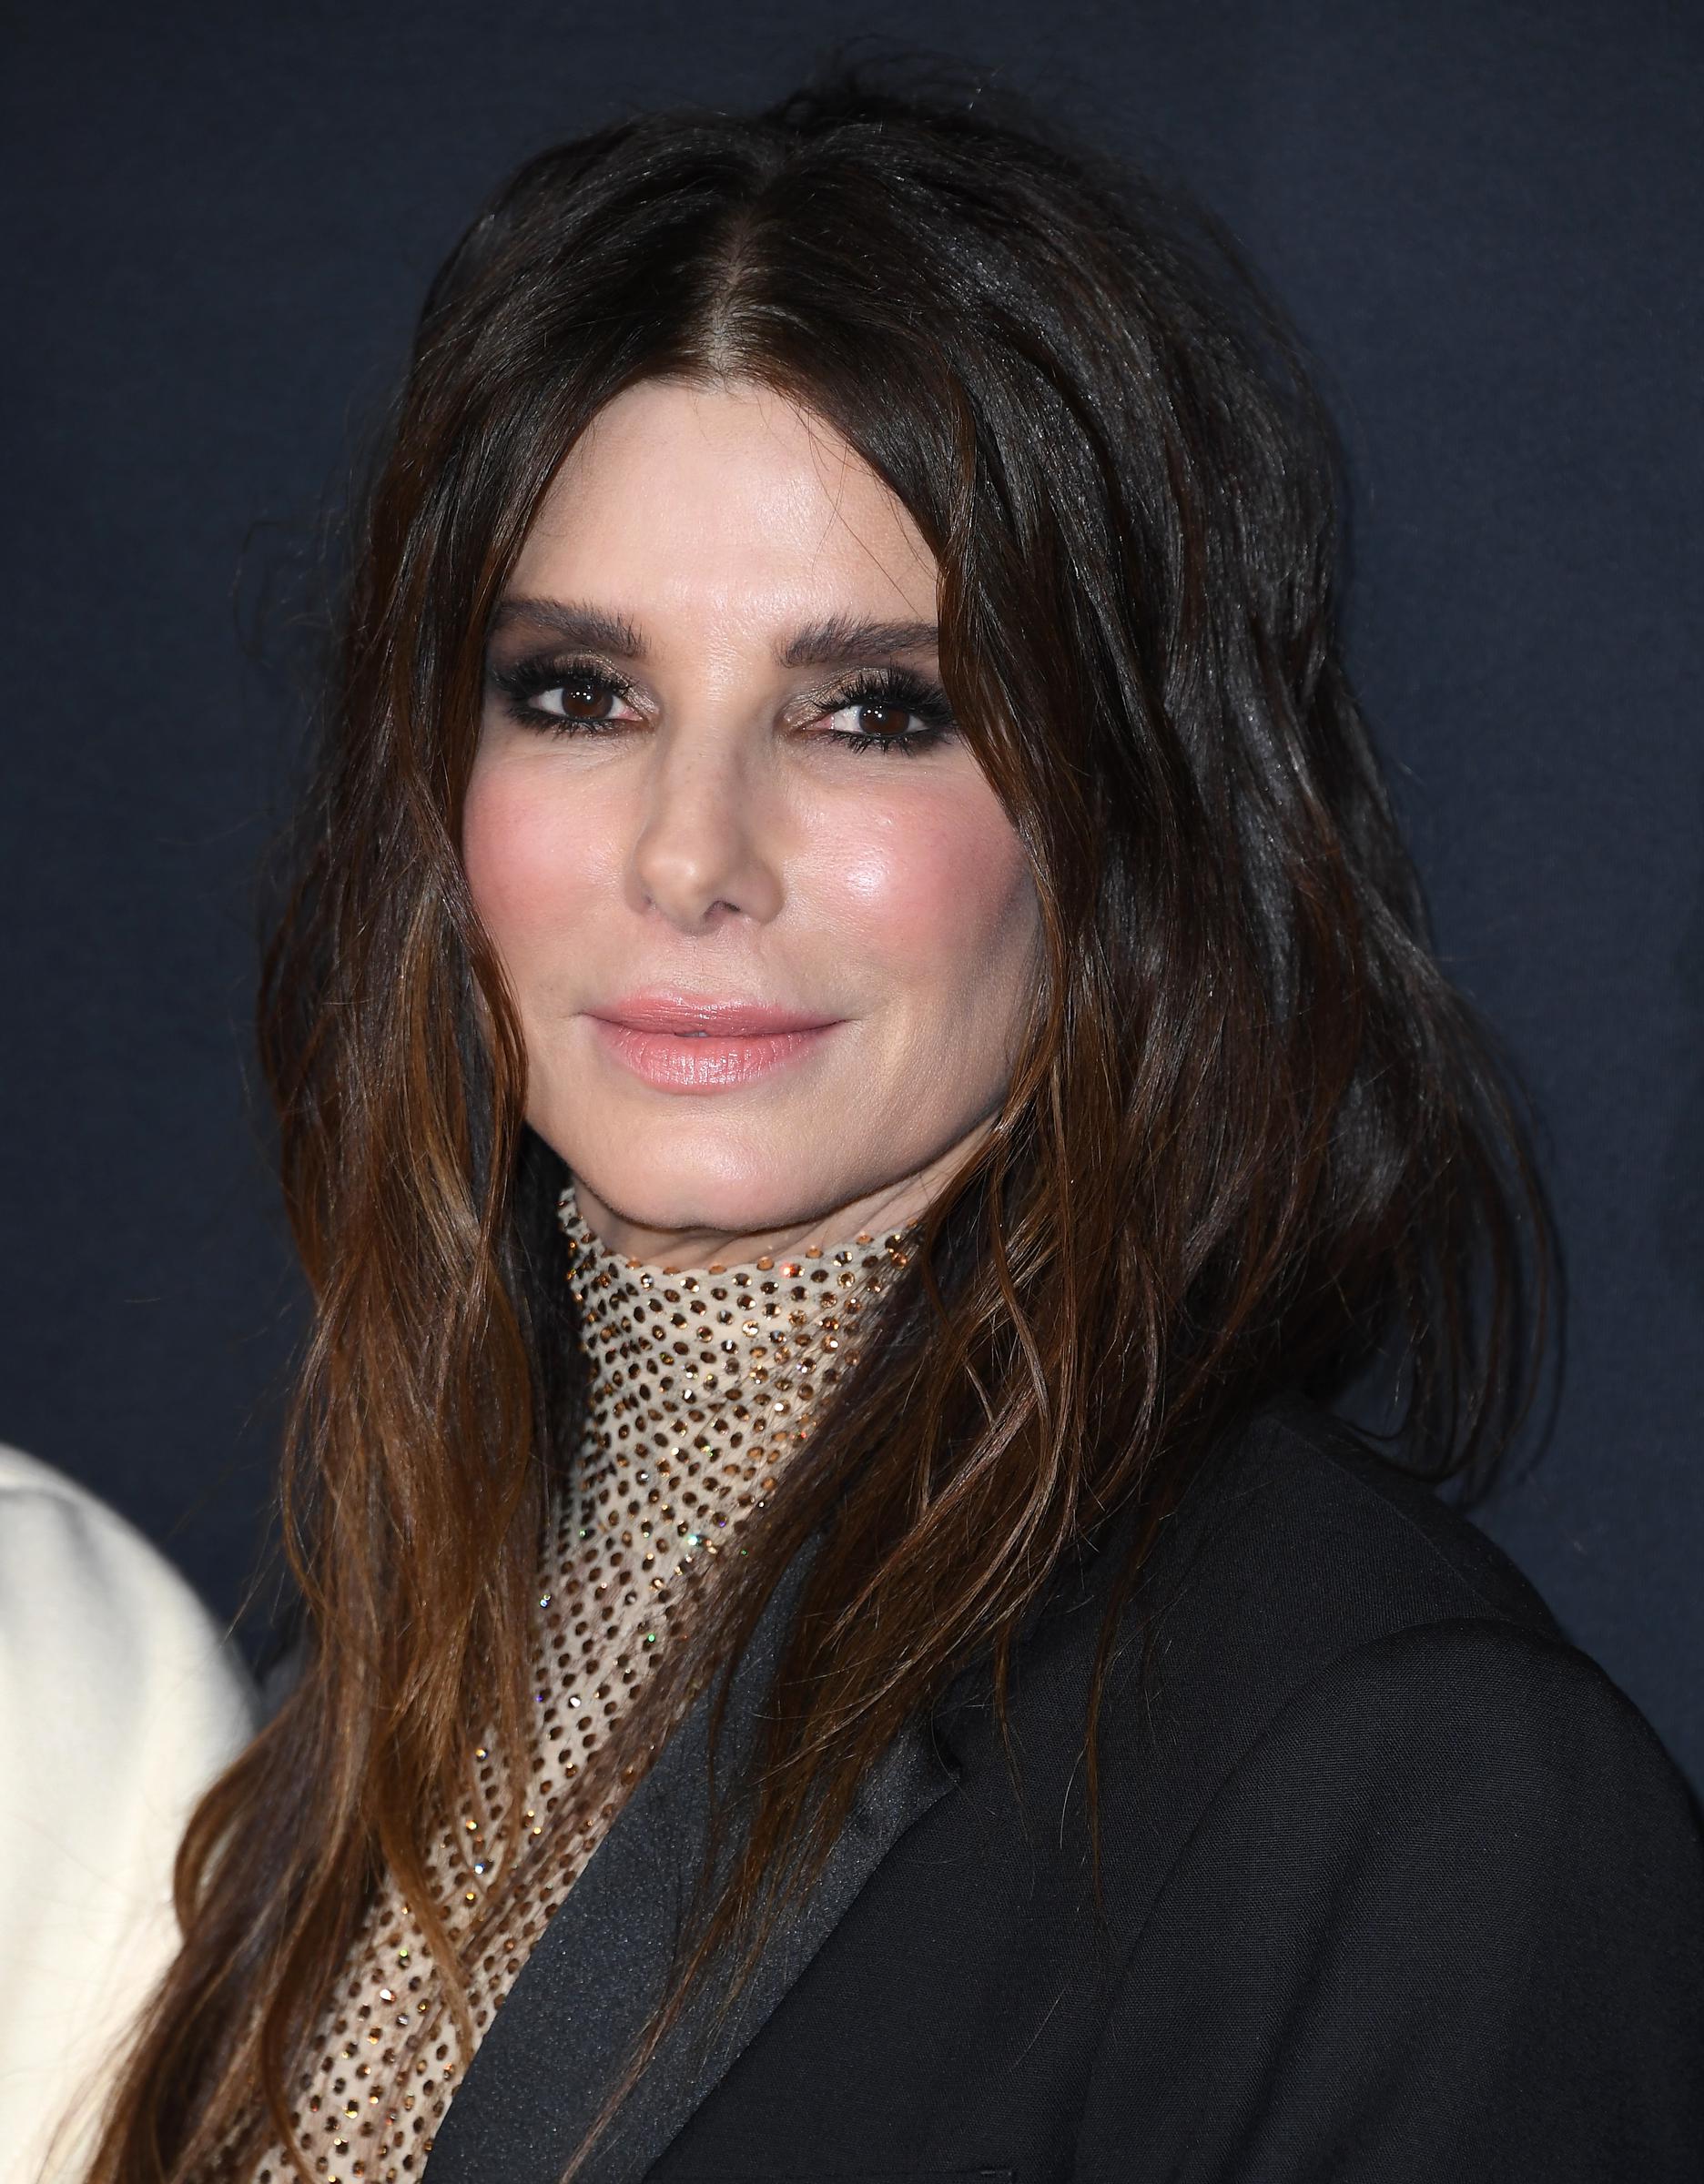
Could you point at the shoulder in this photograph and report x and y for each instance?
(1342, 1542)
(119, 1702)
(119, 1697)
(1441, 1916)
(1298, 1546)
(1395, 1869)
(1318, 1624)
(1379, 1653)
(96, 1624)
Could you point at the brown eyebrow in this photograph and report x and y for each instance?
(587, 627)
(841, 640)
(837, 640)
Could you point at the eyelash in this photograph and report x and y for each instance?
(896, 688)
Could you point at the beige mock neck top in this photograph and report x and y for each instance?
(699, 1384)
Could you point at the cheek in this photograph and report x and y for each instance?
(524, 856)
(939, 894)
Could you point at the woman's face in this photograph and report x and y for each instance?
(770, 933)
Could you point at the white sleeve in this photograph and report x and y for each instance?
(119, 1702)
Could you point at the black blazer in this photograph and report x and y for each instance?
(1399, 1887)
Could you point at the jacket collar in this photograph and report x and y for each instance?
(552, 2051)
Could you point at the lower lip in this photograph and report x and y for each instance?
(711, 1062)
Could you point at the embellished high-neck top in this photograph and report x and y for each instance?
(700, 1383)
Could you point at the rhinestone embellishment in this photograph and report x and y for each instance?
(701, 1383)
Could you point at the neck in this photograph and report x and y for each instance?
(723, 1367)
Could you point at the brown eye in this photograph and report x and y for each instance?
(882, 720)
(565, 697)
(887, 714)
(585, 699)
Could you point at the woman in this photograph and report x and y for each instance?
(858, 1064)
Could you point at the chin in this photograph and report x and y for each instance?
(731, 1191)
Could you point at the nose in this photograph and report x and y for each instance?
(706, 846)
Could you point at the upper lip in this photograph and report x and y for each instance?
(687, 1013)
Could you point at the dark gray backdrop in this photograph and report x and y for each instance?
(1485, 218)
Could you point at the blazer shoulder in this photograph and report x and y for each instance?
(1310, 1614)
(1296, 1547)
(1306, 1533)
(103, 1645)
(1459, 1858)
(119, 1702)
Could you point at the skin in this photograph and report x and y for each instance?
(711, 831)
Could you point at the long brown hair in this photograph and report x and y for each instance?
(1255, 1140)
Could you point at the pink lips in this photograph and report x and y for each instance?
(680, 1044)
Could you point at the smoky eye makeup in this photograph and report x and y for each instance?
(878, 698)
(892, 707)
(588, 690)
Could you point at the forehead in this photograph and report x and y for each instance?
(725, 502)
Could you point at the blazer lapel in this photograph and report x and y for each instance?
(552, 2051)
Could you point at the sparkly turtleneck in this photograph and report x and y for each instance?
(700, 1384)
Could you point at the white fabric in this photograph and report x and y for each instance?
(120, 1702)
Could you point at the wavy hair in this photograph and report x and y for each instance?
(1255, 1140)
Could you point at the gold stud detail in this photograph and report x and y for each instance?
(712, 1401)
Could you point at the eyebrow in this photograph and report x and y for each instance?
(578, 625)
(842, 639)
(837, 641)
